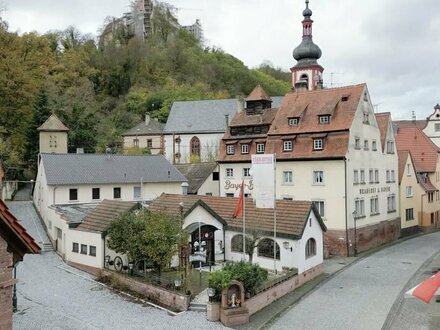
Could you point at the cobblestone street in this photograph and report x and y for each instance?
(52, 295)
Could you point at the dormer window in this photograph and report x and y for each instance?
(230, 149)
(260, 148)
(318, 144)
(294, 121)
(245, 148)
(324, 119)
(288, 145)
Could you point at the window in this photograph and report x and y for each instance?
(409, 214)
(376, 176)
(430, 197)
(149, 143)
(318, 177)
(237, 243)
(366, 118)
(287, 177)
(117, 192)
(359, 207)
(288, 145)
(215, 176)
(73, 194)
(96, 193)
(229, 195)
(408, 169)
(355, 176)
(230, 149)
(136, 142)
(320, 207)
(136, 192)
(357, 143)
(374, 145)
(365, 144)
(391, 203)
(324, 119)
(374, 205)
(293, 121)
(393, 177)
(229, 172)
(390, 147)
(388, 176)
(245, 148)
(317, 144)
(362, 176)
(266, 248)
(83, 249)
(75, 247)
(195, 146)
(371, 176)
(437, 127)
(310, 248)
(260, 148)
(246, 172)
(409, 191)
(92, 251)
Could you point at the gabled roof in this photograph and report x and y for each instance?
(258, 94)
(420, 124)
(19, 241)
(63, 169)
(426, 183)
(292, 216)
(100, 218)
(383, 120)
(153, 128)
(53, 124)
(243, 119)
(206, 116)
(196, 173)
(402, 158)
(423, 150)
(340, 103)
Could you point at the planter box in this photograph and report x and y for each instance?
(213, 311)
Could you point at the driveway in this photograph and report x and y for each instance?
(363, 295)
(53, 295)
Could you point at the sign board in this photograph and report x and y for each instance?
(263, 175)
(197, 257)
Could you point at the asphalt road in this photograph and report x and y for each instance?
(369, 293)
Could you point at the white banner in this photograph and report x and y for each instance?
(263, 176)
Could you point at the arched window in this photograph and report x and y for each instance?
(195, 146)
(237, 243)
(305, 78)
(310, 248)
(265, 248)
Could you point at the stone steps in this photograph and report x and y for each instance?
(197, 307)
(47, 247)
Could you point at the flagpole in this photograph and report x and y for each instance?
(274, 215)
(244, 222)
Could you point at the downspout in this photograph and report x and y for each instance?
(346, 207)
(53, 200)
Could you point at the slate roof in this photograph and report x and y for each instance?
(74, 214)
(53, 124)
(383, 119)
(100, 218)
(19, 241)
(206, 116)
(153, 128)
(102, 168)
(196, 173)
(291, 215)
(423, 150)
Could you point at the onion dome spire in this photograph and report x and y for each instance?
(307, 52)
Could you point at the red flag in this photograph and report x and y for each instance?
(239, 208)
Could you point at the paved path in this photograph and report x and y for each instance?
(361, 296)
(52, 295)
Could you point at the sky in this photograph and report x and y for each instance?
(392, 45)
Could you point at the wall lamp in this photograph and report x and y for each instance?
(287, 246)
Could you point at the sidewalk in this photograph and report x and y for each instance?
(264, 316)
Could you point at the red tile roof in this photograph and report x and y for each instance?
(291, 215)
(383, 119)
(426, 183)
(423, 150)
(243, 119)
(402, 158)
(420, 124)
(12, 232)
(258, 94)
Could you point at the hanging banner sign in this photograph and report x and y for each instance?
(263, 178)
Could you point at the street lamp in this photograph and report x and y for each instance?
(211, 293)
(14, 296)
(355, 236)
(131, 266)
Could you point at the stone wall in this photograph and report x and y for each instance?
(367, 237)
(6, 285)
(152, 293)
(88, 269)
(268, 296)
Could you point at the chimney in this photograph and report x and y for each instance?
(414, 117)
(227, 121)
(147, 119)
(184, 186)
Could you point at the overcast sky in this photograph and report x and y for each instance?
(392, 45)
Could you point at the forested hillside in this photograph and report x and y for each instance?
(99, 91)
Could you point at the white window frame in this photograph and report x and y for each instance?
(409, 191)
(390, 147)
(246, 172)
(359, 207)
(324, 119)
(260, 148)
(355, 176)
(374, 205)
(230, 149)
(320, 205)
(318, 177)
(391, 199)
(371, 175)
(362, 176)
(366, 145)
(409, 214)
(408, 169)
(137, 193)
(245, 148)
(357, 143)
(288, 177)
(287, 145)
(318, 144)
(229, 172)
(293, 121)
(376, 176)
(374, 145)
(437, 127)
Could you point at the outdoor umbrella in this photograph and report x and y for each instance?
(426, 289)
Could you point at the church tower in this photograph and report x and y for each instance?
(307, 73)
(53, 136)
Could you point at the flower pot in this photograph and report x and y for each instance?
(213, 311)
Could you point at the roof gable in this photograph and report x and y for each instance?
(153, 128)
(196, 173)
(53, 124)
(384, 125)
(102, 168)
(258, 94)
